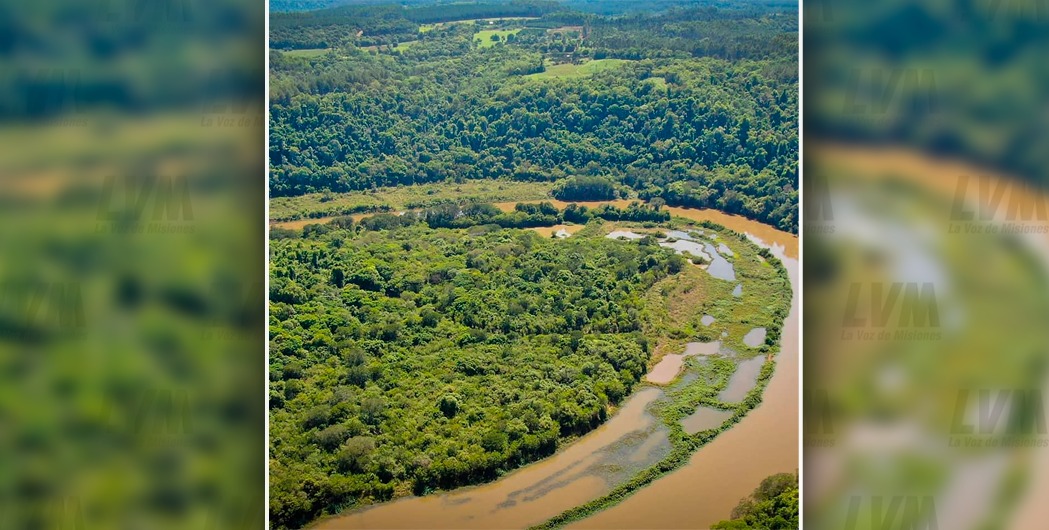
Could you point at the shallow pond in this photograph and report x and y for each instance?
(755, 337)
(624, 234)
(720, 267)
(764, 442)
(683, 243)
(683, 246)
(704, 418)
(670, 365)
(742, 380)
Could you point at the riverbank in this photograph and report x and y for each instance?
(593, 466)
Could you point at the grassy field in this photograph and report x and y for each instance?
(570, 71)
(658, 82)
(425, 28)
(405, 45)
(672, 311)
(314, 52)
(321, 205)
(483, 38)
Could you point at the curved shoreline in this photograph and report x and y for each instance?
(585, 488)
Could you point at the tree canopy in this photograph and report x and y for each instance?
(637, 100)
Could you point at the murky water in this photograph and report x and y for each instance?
(720, 267)
(624, 234)
(755, 337)
(670, 365)
(727, 469)
(696, 496)
(630, 441)
(742, 380)
(704, 418)
(738, 291)
(707, 320)
(681, 234)
(683, 246)
(684, 243)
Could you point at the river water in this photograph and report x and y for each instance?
(727, 469)
(702, 492)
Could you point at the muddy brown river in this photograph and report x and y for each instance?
(727, 469)
(702, 492)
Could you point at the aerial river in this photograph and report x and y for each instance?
(702, 492)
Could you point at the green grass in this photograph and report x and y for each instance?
(318, 205)
(483, 38)
(572, 71)
(405, 45)
(765, 278)
(658, 82)
(313, 52)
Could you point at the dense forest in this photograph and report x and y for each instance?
(438, 342)
(960, 80)
(410, 358)
(774, 504)
(696, 106)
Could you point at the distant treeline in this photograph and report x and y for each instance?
(465, 215)
(711, 125)
(338, 26)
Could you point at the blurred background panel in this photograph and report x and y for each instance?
(131, 279)
(926, 251)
